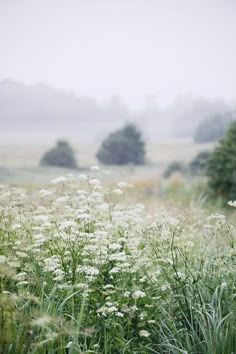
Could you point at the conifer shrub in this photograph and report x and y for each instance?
(62, 155)
(124, 146)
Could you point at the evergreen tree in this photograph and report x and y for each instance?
(62, 155)
(122, 147)
(221, 166)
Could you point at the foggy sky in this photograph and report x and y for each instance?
(130, 48)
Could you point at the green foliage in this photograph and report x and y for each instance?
(62, 155)
(198, 312)
(122, 147)
(173, 167)
(199, 162)
(221, 166)
(212, 128)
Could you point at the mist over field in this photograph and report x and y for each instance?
(41, 109)
(85, 68)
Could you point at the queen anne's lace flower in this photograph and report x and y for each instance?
(144, 333)
(58, 180)
(138, 294)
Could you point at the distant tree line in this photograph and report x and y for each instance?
(213, 127)
(40, 108)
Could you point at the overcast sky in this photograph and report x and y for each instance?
(130, 48)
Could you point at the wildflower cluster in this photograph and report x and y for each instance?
(77, 243)
(83, 271)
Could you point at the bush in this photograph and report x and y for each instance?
(62, 155)
(199, 162)
(221, 166)
(212, 128)
(122, 147)
(173, 167)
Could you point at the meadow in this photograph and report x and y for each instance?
(20, 156)
(119, 261)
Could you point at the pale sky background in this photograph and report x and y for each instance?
(130, 48)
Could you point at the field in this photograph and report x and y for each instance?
(19, 159)
(119, 262)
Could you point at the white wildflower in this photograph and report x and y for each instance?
(114, 246)
(217, 217)
(117, 191)
(140, 206)
(67, 224)
(39, 238)
(232, 203)
(95, 168)
(143, 315)
(22, 283)
(122, 184)
(63, 199)
(89, 270)
(83, 216)
(127, 294)
(102, 310)
(108, 286)
(82, 178)
(21, 254)
(120, 257)
(138, 294)
(114, 270)
(96, 195)
(119, 314)
(144, 333)
(41, 218)
(16, 227)
(103, 207)
(94, 182)
(58, 180)
(189, 244)
(69, 344)
(3, 259)
(112, 309)
(45, 193)
(207, 226)
(82, 192)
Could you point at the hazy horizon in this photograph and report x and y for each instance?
(138, 50)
